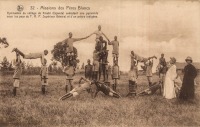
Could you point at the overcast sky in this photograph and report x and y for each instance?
(147, 27)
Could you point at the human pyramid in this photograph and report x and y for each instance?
(93, 72)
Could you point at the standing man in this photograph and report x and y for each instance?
(103, 50)
(190, 72)
(95, 64)
(169, 84)
(149, 65)
(103, 57)
(69, 45)
(115, 51)
(70, 72)
(17, 73)
(88, 70)
(115, 75)
(132, 76)
(162, 68)
(44, 76)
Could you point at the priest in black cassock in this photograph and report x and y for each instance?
(187, 89)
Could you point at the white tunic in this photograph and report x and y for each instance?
(169, 88)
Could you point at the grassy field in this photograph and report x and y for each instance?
(31, 108)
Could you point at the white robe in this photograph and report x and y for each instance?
(169, 88)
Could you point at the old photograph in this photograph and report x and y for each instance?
(99, 63)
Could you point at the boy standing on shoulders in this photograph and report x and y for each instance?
(115, 51)
(115, 75)
(44, 76)
(17, 73)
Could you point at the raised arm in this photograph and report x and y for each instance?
(105, 37)
(82, 78)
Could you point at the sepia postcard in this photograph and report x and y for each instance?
(99, 63)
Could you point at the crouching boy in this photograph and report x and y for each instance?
(17, 73)
(44, 76)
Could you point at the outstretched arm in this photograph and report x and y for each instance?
(92, 34)
(152, 57)
(79, 39)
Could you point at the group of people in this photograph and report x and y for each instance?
(169, 82)
(93, 72)
(99, 63)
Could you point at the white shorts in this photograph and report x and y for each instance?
(69, 77)
(68, 82)
(16, 83)
(74, 93)
(115, 81)
(115, 55)
(44, 82)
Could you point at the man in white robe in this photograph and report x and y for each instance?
(169, 83)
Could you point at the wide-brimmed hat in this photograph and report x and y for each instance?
(188, 59)
(173, 59)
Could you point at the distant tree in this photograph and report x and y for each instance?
(29, 65)
(59, 54)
